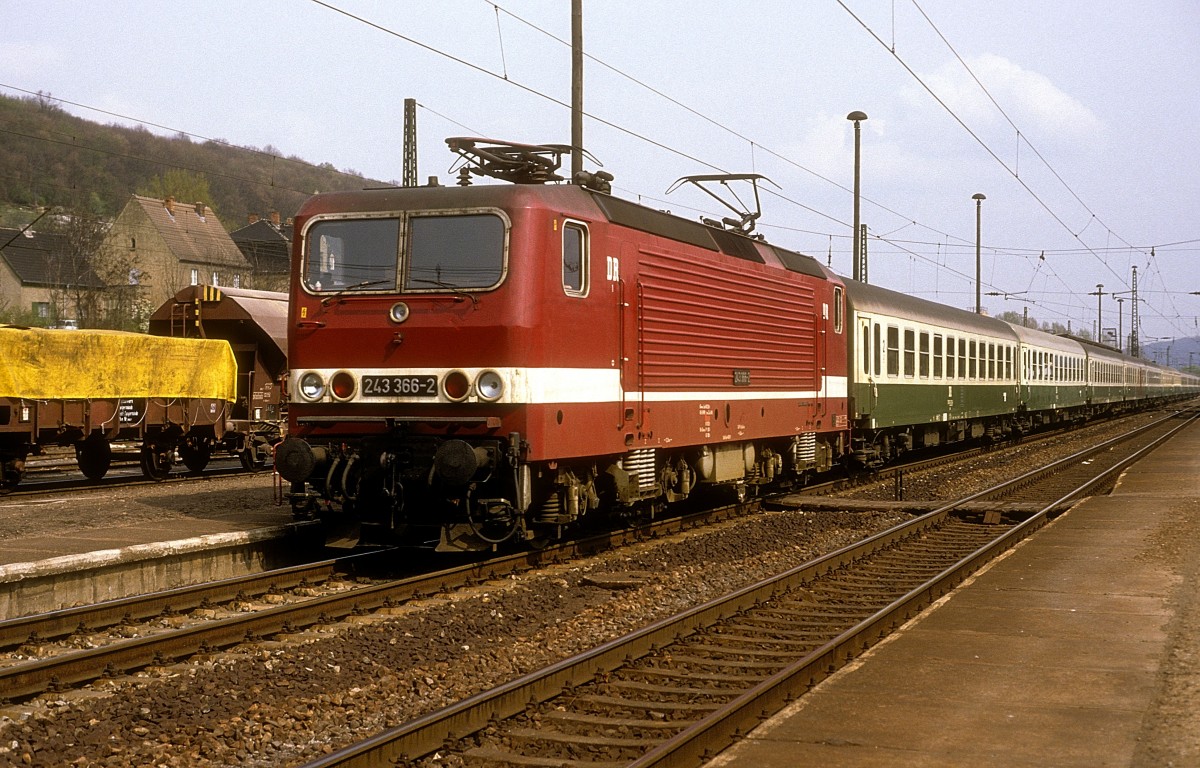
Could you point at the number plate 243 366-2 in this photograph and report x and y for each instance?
(399, 386)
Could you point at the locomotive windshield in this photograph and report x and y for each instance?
(454, 252)
(348, 254)
(439, 253)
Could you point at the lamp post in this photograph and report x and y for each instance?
(1099, 294)
(1120, 297)
(978, 197)
(857, 117)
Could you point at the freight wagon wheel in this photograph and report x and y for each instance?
(156, 461)
(94, 457)
(254, 455)
(195, 455)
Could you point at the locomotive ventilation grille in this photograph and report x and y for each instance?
(804, 450)
(640, 464)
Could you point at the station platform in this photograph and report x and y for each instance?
(1077, 648)
(107, 543)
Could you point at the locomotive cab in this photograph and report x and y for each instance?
(486, 363)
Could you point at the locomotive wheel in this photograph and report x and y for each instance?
(11, 472)
(94, 456)
(195, 456)
(156, 461)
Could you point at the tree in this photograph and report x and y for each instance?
(184, 186)
(94, 283)
(1016, 318)
(77, 291)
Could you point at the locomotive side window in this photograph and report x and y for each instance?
(347, 254)
(454, 252)
(893, 351)
(575, 259)
(837, 308)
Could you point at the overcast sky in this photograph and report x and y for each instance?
(1079, 122)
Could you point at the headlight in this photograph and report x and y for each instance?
(489, 385)
(342, 385)
(456, 386)
(399, 312)
(312, 386)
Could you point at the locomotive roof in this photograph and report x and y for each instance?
(571, 200)
(873, 299)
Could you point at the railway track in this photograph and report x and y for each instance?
(895, 474)
(683, 688)
(71, 647)
(56, 475)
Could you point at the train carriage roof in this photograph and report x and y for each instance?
(871, 299)
(1108, 353)
(1041, 340)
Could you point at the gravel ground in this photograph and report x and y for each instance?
(283, 702)
(280, 703)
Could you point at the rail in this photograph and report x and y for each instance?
(656, 646)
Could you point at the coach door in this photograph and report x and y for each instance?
(865, 365)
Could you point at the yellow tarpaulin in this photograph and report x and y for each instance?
(38, 364)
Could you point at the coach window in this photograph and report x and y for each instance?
(866, 348)
(973, 361)
(910, 352)
(575, 259)
(893, 350)
(1008, 363)
(937, 356)
(923, 361)
(877, 348)
(950, 349)
(992, 362)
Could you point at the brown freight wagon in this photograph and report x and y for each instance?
(255, 325)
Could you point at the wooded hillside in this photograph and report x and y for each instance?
(49, 157)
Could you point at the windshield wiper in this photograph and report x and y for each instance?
(325, 302)
(459, 293)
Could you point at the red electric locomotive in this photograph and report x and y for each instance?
(476, 364)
